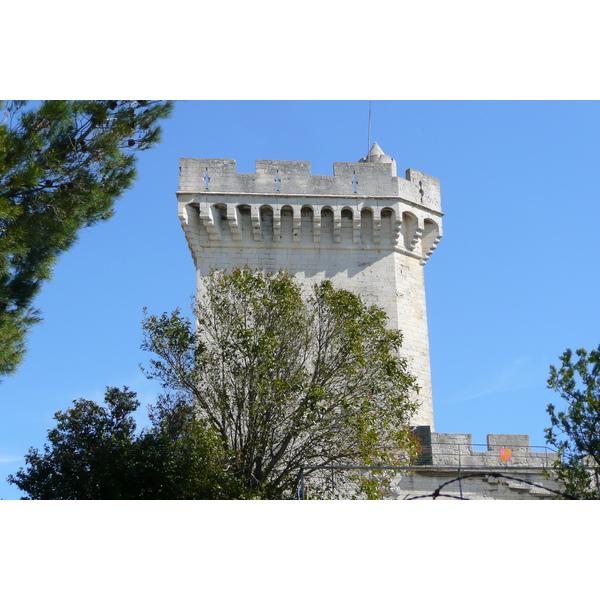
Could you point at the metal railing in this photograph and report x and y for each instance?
(457, 454)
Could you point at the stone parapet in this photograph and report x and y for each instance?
(371, 180)
(456, 450)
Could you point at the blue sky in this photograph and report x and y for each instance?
(510, 286)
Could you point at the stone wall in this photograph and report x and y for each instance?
(446, 456)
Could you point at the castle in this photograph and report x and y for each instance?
(370, 232)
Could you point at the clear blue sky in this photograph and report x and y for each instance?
(510, 286)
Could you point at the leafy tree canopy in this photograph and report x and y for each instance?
(62, 165)
(575, 431)
(94, 454)
(285, 380)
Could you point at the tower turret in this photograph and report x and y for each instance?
(377, 155)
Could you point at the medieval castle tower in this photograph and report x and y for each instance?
(370, 232)
(364, 228)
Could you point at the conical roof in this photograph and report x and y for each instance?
(376, 150)
(377, 155)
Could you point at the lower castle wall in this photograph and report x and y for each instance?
(446, 456)
(478, 486)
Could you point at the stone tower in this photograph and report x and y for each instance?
(364, 228)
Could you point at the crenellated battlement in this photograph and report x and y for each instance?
(363, 205)
(293, 178)
(456, 450)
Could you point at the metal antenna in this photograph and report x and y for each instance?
(369, 133)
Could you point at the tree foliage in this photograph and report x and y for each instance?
(94, 454)
(575, 431)
(62, 165)
(286, 381)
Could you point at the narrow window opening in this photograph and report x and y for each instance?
(347, 226)
(326, 226)
(366, 226)
(246, 222)
(306, 224)
(386, 226)
(266, 224)
(287, 224)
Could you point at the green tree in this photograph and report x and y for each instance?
(89, 454)
(62, 165)
(285, 381)
(180, 458)
(575, 431)
(94, 454)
